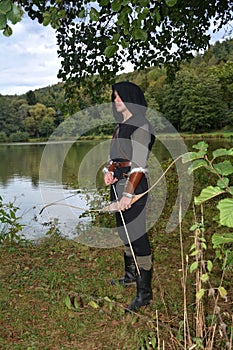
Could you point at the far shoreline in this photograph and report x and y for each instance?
(184, 135)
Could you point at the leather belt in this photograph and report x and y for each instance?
(121, 164)
(114, 165)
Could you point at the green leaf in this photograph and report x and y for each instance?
(116, 5)
(205, 277)
(143, 15)
(208, 193)
(3, 21)
(157, 16)
(139, 34)
(200, 294)
(47, 18)
(222, 152)
(209, 265)
(94, 15)
(202, 146)
(194, 266)
(93, 304)
(104, 2)
(12, 214)
(223, 183)
(76, 304)
(196, 165)
(194, 253)
(225, 207)
(171, 3)
(7, 31)
(116, 37)
(108, 299)
(5, 6)
(153, 341)
(218, 238)
(189, 156)
(193, 247)
(110, 50)
(225, 168)
(67, 302)
(124, 43)
(230, 188)
(194, 227)
(204, 246)
(82, 13)
(222, 292)
(123, 19)
(15, 15)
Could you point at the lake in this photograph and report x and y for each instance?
(34, 175)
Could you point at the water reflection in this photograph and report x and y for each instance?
(23, 160)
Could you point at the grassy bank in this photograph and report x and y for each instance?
(56, 295)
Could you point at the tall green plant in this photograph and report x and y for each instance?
(10, 226)
(221, 166)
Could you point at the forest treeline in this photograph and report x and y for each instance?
(199, 99)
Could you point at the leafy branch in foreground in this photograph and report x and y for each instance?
(100, 37)
(9, 223)
(9, 12)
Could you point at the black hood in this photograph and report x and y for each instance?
(133, 98)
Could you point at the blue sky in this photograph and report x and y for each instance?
(29, 60)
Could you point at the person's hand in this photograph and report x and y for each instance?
(109, 178)
(125, 203)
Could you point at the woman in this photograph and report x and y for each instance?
(126, 174)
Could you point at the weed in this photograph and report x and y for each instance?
(10, 227)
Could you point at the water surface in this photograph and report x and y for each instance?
(33, 175)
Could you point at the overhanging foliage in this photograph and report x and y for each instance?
(100, 37)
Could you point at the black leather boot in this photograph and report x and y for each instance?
(144, 291)
(130, 272)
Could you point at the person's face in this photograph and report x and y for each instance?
(119, 104)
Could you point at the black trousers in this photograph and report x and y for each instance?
(135, 220)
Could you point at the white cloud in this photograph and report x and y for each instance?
(29, 58)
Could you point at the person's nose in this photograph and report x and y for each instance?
(117, 99)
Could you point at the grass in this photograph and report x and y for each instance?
(57, 295)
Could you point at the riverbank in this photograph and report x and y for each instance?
(204, 136)
(55, 294)
(213, 135)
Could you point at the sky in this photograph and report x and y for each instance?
(29, 59)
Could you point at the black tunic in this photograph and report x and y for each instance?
(132, 141)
